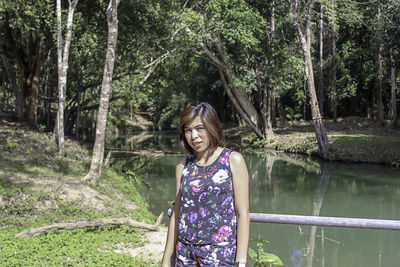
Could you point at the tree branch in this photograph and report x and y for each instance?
(79, 224)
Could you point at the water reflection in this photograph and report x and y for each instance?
(292, 184)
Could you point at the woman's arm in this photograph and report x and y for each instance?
(241, 191)
(173, 225)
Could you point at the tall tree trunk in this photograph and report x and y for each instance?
(321, 61)
(305, 40)
(268, 88)
(239, 98)
(98, 149)
(237, 106)
(34, 78)
(28, 55)
(63, 56)
(332, 60)
(379, 104)
(393, 87)
(13, 83)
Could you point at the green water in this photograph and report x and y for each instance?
(289, 184)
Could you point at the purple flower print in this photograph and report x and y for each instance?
(225, 159)
(223, 233)
(182, 225)
(203, 197)
(192, 216)
(200, 224)
(204, 212)
(227, 251)
(227, 201)
(196, 186)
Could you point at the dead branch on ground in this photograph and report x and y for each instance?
(77, 224)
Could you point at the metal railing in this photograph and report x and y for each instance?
(326, 221)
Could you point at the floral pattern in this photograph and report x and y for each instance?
(207, 213)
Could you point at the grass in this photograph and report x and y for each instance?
(26, 156)
(350, 141)
(82, 247)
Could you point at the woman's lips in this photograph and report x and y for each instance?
(196, 144)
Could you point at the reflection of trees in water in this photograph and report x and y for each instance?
(166, 141)
(317, 204)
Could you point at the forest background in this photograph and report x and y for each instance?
(243, 57)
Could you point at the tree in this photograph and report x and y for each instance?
(98, 149)
(305, 40)
(393, 87)
(63, 68)
(321, 61)
(332, 57)
(379, 100)
(24, 27)
(227, 31)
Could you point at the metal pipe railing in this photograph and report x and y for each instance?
(326, 221)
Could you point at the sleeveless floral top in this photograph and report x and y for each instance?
(207, 212)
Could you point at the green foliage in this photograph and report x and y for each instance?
(11, 144)
(237, 22)
(134, 177)
(293, 113)
(261, 257)
(86, 247)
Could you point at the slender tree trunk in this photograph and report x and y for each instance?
(240, 96)
(268, 88)
(28, 54)
(379, 111)
(238, 107)
(14, 86)
(305, 40)
(332, 60)
(321, 61)
(393, 88)
(34, 80)
(63, 55)
(239, 99)
(98, 149)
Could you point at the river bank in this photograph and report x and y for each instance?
(353, 139)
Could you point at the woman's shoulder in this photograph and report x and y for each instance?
(236, 158)
(181, 162)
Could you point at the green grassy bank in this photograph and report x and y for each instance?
(38, 187)
(355, 140)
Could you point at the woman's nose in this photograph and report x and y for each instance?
(194, 134)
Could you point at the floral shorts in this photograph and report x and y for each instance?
(205, 255)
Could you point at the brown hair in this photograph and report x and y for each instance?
(212, 125)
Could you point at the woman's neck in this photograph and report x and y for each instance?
(207, 157)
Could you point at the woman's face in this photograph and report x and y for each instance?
(197, 136)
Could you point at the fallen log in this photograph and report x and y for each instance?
(77, 224)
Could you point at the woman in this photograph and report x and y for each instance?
(210, 224)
